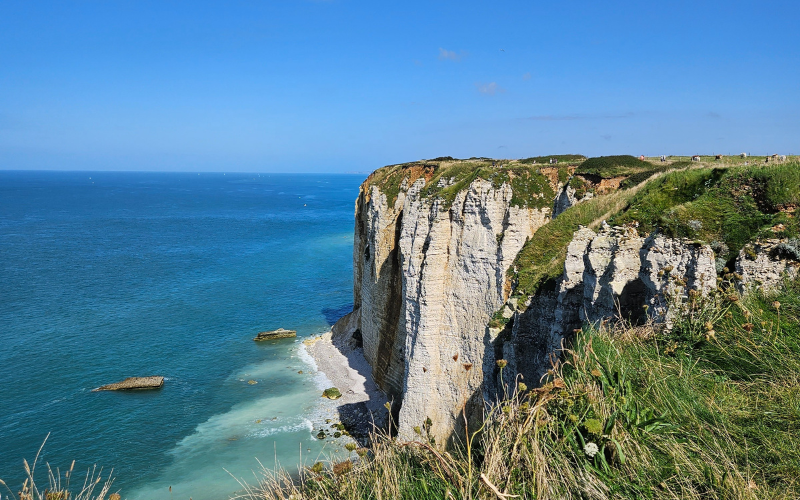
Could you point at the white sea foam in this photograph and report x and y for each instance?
(304, 425)
(320, 379)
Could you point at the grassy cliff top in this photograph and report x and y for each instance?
(614, 166)
(533, 185)
(445, 176)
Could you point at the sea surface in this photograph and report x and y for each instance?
(105, 275)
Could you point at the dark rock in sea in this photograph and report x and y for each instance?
(280, 333)
(134, 383)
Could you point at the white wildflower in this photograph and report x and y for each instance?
(591, 450)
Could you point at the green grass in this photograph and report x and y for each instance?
(781, 183)
(581, 186)
(614, 166)
(529, 186)
(710, 409)
(561, 159)
(541, 260)
(724, 207)
(640, 177)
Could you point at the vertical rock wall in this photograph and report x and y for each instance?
(428, 277)
(607, 275)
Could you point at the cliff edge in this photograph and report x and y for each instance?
(460, 263)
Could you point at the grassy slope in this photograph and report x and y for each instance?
(541, 260)
(614, 166)
(725, 207)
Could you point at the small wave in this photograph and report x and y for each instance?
(304, 425)
(306, 358)
(320, 379)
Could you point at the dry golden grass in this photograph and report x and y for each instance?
(60, 486)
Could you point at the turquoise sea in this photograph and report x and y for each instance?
(105, 275)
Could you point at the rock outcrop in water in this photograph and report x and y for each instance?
(280, 333)
(134, 383)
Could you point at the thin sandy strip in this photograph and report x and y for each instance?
(349, 372)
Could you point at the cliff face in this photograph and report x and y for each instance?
(427, 280)
(611, 274)
(434, 250)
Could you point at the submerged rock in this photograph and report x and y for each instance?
(280, 333)
(134, 383)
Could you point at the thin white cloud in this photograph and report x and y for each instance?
(449, 55)
(489, 88)
(553, 118)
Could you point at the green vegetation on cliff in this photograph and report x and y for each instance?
(444, 179)
(723, 207)
(541, 260)
(726, 208)
(573, 159)
(710, 409)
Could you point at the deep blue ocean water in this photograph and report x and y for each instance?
(105, 275)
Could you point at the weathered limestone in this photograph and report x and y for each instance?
(567, 198)
(427, 280)
(765, 263)
(429, 276)
(607, 275)
(134, 383)
(280, 333)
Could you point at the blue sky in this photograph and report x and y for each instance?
(341, 85)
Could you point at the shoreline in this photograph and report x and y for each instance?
(345, 368)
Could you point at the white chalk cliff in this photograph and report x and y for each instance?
(429, 275)
(427, 280)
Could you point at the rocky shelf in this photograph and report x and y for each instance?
(134, 383)
(280, 333)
